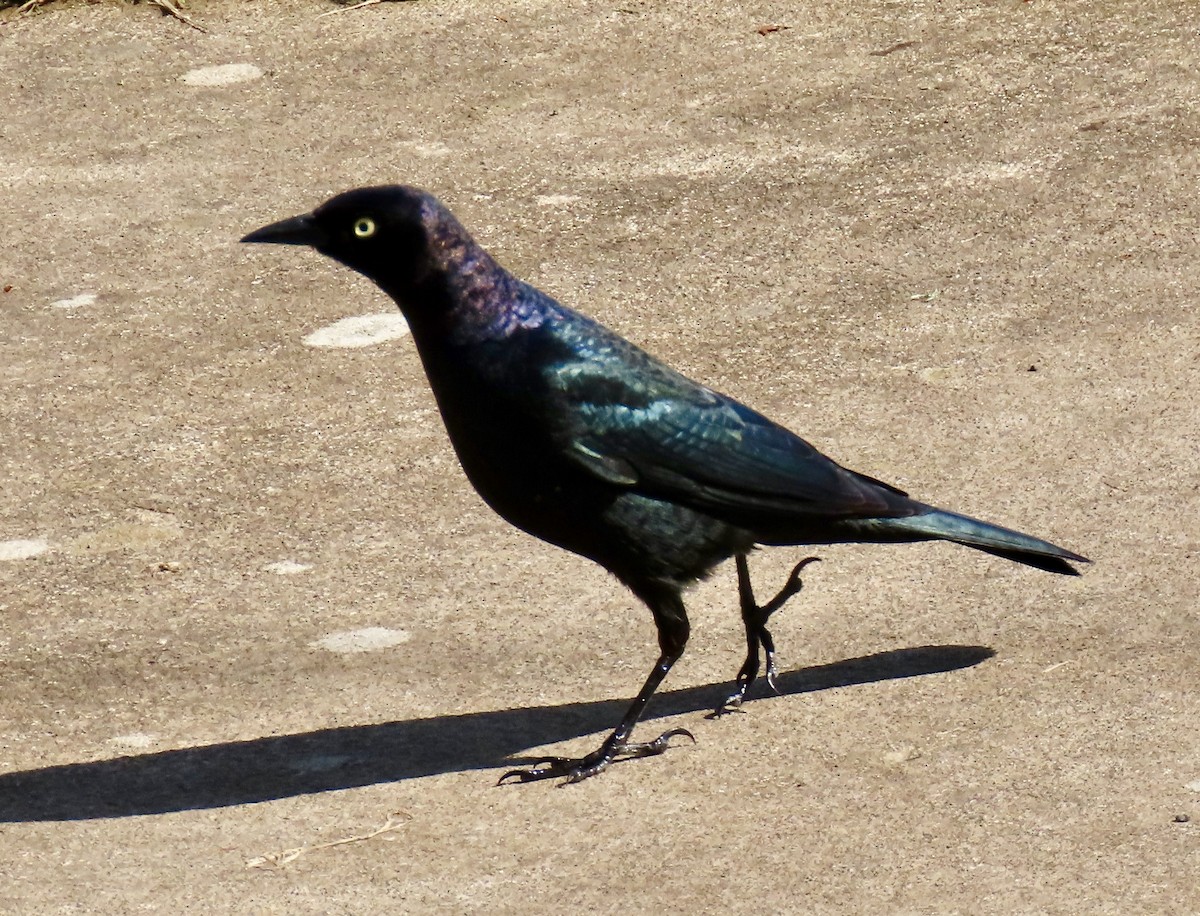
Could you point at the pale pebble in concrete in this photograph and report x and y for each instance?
(221, 75)
(556, 200)
(360, 331)
(74, 302)
(939, 375)
(287, 567)
(435, 149)
(368, 639)
(23, 549)
(133, 742)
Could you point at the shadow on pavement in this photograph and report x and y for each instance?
(237, 773)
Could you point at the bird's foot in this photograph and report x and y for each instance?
(733, 702)
(758, 637)
(577, 769)
(747, 676)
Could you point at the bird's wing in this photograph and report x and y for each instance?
(635, 423)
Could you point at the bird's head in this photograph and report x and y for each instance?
(416, 252)
(387, 233)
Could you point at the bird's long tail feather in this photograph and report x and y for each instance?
(938, 524)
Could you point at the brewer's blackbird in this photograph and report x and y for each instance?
(580, 438)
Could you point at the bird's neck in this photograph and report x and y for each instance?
(465, 296)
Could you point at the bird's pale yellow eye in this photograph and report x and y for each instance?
(364, 227)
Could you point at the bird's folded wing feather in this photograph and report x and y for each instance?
(663, 435)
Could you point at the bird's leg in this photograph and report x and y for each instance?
(755, 618)
(673, 631)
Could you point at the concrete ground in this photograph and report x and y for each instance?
(250, 607)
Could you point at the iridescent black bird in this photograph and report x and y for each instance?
(578, 437)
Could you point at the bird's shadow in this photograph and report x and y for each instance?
(239, 772)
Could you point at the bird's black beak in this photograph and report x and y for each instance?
(298, 230)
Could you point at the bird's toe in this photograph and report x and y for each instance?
(573, 770)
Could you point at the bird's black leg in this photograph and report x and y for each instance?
(755, 618)
(673, 629)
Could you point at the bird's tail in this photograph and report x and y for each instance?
(938, 524)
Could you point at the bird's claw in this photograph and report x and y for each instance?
(733, 702)
(574, 769)
(772, 672)
(542, 768)
(758, 637)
